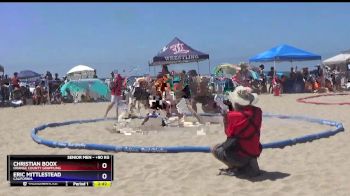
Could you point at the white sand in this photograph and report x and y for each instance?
(321, 167)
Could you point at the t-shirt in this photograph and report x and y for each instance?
(5, 81)
(117, 86)
(176, 79)
(170, 82)
(271, 74)
(15, 82)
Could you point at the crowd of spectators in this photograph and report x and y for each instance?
(42, 90)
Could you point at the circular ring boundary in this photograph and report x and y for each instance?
(179, 149)
(303, 99)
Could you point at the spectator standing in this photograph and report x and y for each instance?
(271, 75)
(116, 93)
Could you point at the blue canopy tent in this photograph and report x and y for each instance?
(177, 52)
(284, 52)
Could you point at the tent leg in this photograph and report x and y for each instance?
(209, 69)
(197, 67)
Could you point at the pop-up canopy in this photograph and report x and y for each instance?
(343, 58)
(284, 52)
(178, 52)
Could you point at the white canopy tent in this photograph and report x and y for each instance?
(80, 72)
(343, 58)
(341, 61)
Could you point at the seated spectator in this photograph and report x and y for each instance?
(45, 94)
(15, 81)
(37, 95)
(17, 94)
(68, 98)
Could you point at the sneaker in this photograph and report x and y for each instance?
(164, 122)
(228, 172)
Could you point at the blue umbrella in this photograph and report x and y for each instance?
(27, 74)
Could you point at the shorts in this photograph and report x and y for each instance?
(187, 92)
(157, 104)
(231, 159)
(115, 99)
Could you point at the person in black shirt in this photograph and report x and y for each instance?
(5, 83)
(56, 77)
(292, 74)
(271, 75)
(95, 75)
(263, 78)
(48, 75)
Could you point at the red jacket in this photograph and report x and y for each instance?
(247, 131)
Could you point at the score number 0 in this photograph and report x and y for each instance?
(104, 175)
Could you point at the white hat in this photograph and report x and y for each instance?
(243, 96)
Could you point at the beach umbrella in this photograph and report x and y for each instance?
(94, 87)
(80, 69)
(27, 74)
(226, 69)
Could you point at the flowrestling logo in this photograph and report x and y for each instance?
(179, 49)
(179, 53)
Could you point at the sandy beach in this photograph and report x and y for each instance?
(318, 168)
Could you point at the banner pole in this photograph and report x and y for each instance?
(197, 67)
(209, 68)
(149, 68)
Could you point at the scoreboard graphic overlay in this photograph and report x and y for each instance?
(60, 170)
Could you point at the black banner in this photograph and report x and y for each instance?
(59, 170)
(59, 157)
(75, 184)
(61, 176)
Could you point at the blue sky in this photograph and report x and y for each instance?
(108, 36)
